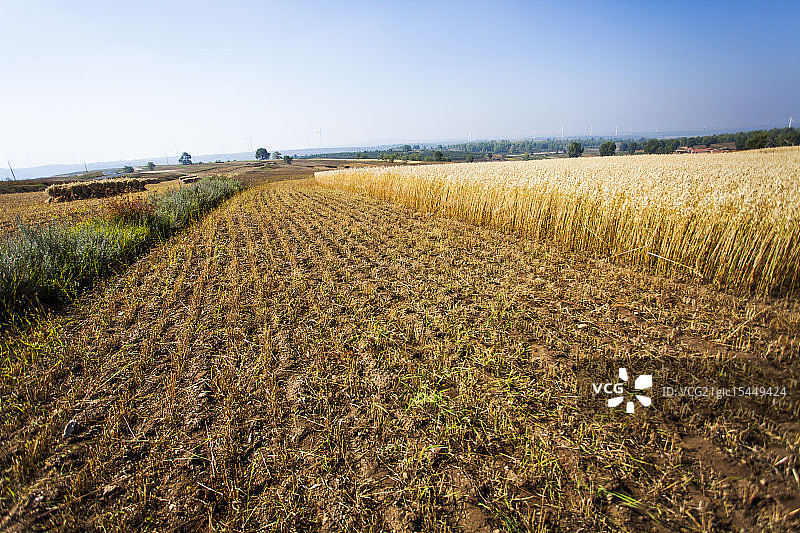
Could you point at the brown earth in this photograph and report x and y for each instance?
(311, 359)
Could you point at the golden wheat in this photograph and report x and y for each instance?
(732, 218)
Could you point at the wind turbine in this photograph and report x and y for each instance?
(790, 121)
(319, 132)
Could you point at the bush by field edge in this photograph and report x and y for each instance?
(50, 264)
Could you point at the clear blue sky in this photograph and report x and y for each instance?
(103, 80)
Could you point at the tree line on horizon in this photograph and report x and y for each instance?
(535, 149)
(746, 140)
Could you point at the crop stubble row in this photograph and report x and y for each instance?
(308, 357)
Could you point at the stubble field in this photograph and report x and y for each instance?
(308, 358)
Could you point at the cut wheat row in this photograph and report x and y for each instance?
(732, 218)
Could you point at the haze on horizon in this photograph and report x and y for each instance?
(95, 81)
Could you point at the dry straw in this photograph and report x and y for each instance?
(732, 218)
(80, 190)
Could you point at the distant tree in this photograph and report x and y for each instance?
(262, 154)
(632, 147)
(740, 139)
(608, 148)
(287, 159)
(276, 155)
(470, 158)
(788, 137)
(438, 155)
(127, 169)
(185, 159)
(151, 165)
(652, 146)
(575, 149)
(623, 147)
(671, 145)
(406, 147)
(759, 140)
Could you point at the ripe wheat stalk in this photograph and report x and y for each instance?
(732, 218)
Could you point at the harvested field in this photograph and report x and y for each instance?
(312, 359)
(30, 208)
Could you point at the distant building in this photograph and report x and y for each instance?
(699, 149)
(723, 147)
(703, 149)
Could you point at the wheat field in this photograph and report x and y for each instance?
(730, 218)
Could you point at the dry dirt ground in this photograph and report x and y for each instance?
(311, 359)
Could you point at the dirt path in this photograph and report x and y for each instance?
(310, 359)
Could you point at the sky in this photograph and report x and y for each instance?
(107, 80)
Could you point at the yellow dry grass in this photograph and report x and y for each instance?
(732, 218)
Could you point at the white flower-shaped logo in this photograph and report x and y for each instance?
(645, 381)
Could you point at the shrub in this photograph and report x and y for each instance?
(130, 210)
(179, 207)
